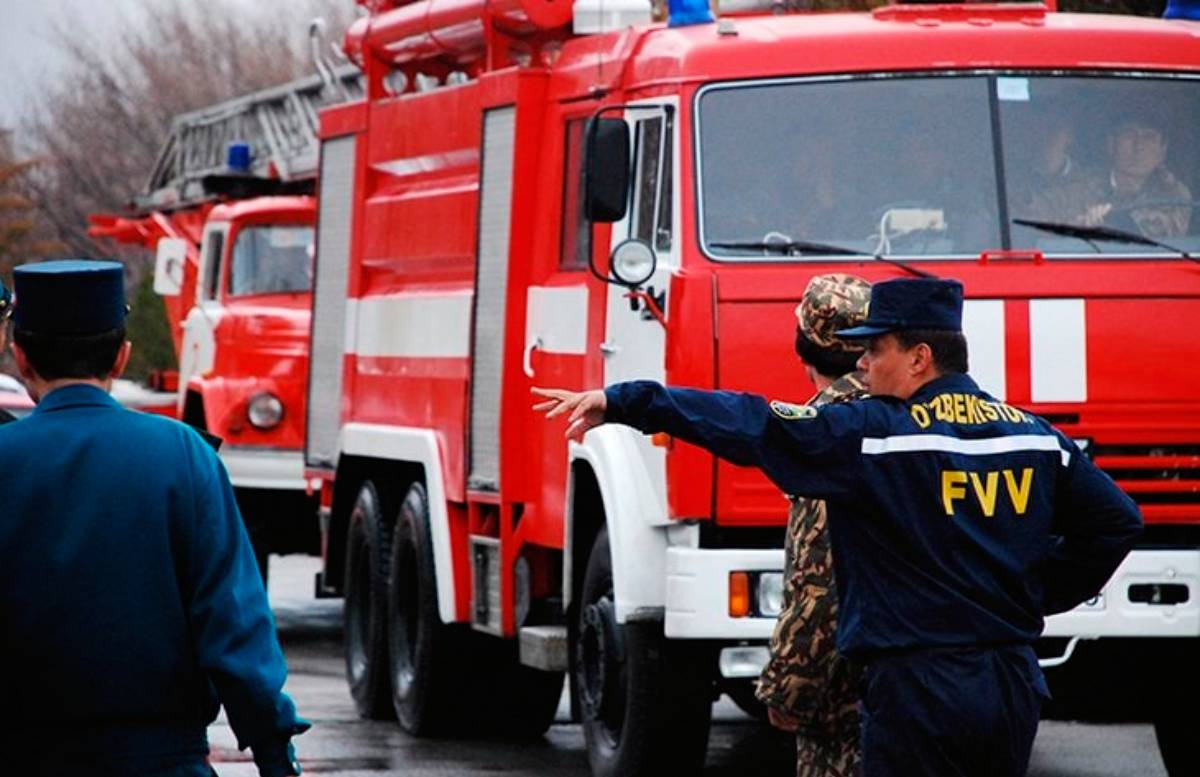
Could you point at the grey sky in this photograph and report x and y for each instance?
(26, 58)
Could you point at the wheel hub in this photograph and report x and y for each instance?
(601, 659)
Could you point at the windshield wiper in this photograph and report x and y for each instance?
(1111, 234)
(808, 247)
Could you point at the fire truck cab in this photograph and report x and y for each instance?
(521, 202)
(228, 211)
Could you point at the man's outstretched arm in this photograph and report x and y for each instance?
(803, 451)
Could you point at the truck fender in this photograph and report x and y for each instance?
(415, 446)
(631, 510)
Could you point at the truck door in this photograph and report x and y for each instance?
(634, 344)
(564, 301)
(198, 353)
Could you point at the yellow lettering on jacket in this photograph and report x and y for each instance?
(967, 409)
(1019, 494)
(921, 416)
(986, 494)
(954, 486)
(985, 489)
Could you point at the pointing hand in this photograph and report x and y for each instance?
(586, 408)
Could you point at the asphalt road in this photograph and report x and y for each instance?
(343, 745)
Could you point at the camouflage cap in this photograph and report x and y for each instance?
(832, 302)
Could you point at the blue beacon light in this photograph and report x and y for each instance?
(237, 157)
(681, 13)
(1182, 9)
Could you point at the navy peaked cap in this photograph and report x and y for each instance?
(71, 297)
(911, 303)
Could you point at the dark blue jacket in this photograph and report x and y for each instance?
(955, 519)
(130, 602)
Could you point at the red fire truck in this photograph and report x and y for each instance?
(229, 213)
(1047, 160)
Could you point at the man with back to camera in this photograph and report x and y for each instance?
(131, 607)
(958, 522)
(808, 687)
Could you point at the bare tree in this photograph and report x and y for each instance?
(18, 222)
(98, 127)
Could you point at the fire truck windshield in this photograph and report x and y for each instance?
(941, 165)
(272, 260)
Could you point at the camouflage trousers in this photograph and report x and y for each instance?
(821, 755)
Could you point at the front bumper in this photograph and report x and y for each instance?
(697, 596)
(1115, 613)
(267, 468)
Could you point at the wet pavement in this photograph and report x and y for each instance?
(342, 745)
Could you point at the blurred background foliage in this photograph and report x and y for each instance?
(96, 126)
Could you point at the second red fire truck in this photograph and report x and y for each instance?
(229, 213)
(722, 164)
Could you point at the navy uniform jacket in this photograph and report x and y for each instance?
(955, 519)
(130, 602)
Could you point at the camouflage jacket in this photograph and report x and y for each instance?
(805, 676)
(1160, 208)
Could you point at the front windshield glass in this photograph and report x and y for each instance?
(1118, 153)
(272, 260)
(914, 166)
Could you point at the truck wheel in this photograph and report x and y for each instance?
(423, 650)
(1176, 735)
(645, 702)
(365, 617)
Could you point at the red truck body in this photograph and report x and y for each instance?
(455, 270)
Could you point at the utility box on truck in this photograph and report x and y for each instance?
(727, 163)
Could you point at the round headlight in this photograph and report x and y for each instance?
(633, 262)
(264, 411)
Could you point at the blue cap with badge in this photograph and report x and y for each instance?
(71, 297)
(911, 303)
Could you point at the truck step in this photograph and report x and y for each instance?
(544, 647)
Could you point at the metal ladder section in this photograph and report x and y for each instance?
(279, 124)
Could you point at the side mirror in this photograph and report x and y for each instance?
(606, 170)
(169, 262)
(633, 262)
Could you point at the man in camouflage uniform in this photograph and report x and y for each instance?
(1140, 193)
(807, 686)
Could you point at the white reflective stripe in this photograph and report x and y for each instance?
(983, 326)
(909, 443)
(1057, 350)
(413, 325)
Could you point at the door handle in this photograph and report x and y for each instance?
(527, 359)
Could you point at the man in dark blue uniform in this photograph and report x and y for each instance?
(131, 607)
(957, 521)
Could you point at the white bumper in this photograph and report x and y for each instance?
(697, 605)
(1112, 614)
(264, 468)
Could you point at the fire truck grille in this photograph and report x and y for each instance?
(1154, 475)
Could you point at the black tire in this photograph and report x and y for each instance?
(1175, 732)
(645, 702)
(365, 613)
(422, 649)
(524, 700)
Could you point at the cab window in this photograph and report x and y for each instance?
(271, 259)
(213, 252)
(652, 189)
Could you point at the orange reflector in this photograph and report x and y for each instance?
(739, 594)
(661, 440)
